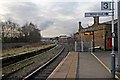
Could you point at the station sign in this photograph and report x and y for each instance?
(106, 6)
(97, 14)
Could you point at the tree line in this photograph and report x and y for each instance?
(13, 32)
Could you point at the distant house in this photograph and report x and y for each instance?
(99, 34)
(63, 38)
(76, 36)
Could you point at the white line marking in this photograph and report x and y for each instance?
(104, 65)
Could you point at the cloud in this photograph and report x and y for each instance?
(52, 17)
(61, 27)
(46, 24)
(66, 8)
(57, 17)
(23, 11)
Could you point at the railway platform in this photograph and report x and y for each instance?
(67, 68)
(83, 66)
(91, 67)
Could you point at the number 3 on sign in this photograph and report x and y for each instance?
(105, 5)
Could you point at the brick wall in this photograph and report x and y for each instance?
(99, 37)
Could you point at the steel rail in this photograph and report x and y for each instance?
(42, 67)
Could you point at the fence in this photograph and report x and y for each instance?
(83, 46)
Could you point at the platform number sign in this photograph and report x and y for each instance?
(106, 5)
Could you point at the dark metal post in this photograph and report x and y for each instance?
(1, 51)
(93, 41)
(105, 40)
(118, 65)
(113, 65)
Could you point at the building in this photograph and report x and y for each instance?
(98, 35)
(76, 36)
(63, 38)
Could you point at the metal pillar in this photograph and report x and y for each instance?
(113, 36)
(82, 48)
(91, 46)
(93, 41)
(1, 52)
(118, 65)
(75, 46)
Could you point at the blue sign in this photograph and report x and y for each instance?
(106, 6)
(97, 14)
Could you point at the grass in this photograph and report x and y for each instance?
(11, 69)
(17, 51)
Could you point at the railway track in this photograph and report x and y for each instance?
(45, 70)
(19, 70)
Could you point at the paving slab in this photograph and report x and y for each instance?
(89, 67)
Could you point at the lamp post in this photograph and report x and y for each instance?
(113, 36)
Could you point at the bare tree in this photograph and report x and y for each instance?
(31, 32)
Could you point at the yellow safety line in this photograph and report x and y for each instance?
(105, 66)
(58, 67)
(73, 65)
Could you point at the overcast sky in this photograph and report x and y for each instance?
(53, 17)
